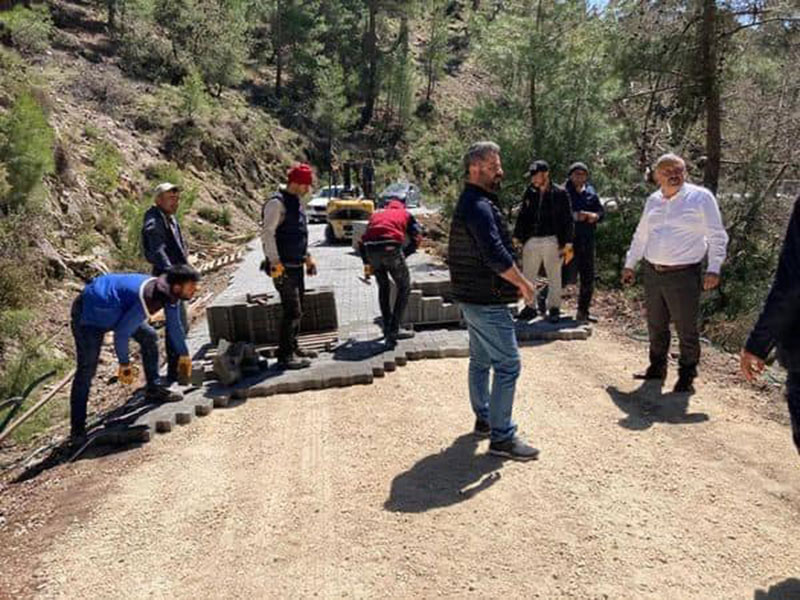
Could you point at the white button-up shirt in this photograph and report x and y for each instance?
(680, 230)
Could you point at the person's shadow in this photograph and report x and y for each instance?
(789, 589)
(647, 405)
(356, 351)
(445, 478)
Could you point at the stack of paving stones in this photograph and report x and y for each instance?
(430, 303)
(237, 320)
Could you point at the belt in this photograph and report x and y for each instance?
(383, 244)
(671, 268)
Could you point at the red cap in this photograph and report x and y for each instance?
(301, 174)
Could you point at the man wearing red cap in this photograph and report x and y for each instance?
(284, 236)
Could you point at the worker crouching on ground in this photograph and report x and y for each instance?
(384, 253)
(284, 236)
(122, 302)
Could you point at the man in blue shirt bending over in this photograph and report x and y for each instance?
(122, 303)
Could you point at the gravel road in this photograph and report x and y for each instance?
(381, 491)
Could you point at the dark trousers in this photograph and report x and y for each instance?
(291, 288)
(172, 354)
(673, 297)
(88, 342)
(387, 261)
(793, 399)
(584, 266)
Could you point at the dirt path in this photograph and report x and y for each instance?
(380, 492)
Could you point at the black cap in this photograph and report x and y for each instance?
(577, 166)
(538, 166)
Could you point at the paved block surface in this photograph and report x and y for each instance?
(361, 355)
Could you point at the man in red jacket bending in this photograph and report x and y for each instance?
(384, 250)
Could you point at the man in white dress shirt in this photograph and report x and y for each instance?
(679, 227)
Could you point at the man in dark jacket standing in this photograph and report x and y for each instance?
(284, 236)
(485, 281)
(384, 252)
(544, 230)
(779, 324)
(587, 211)
(165, 247)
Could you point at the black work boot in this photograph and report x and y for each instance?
(653, 372)
(527, 314)
(482, 428)
(159, 394)
(555, 315)
(293, 363)
(685, 382)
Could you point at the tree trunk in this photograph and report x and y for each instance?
(278, 42)
(711, 95)
(370, 53)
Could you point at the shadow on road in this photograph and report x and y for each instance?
(647, 405)
(445, 478)
(788, 589)
(356, 351)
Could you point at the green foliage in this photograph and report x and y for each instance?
(218, 216)
(107, 163)
(30, 28)
(331, 112)
(434, 54)
(129, 254)
(209, 35)
(145, 53)
(194, 100)
(203, 233)
(26, 149)
(29, 362)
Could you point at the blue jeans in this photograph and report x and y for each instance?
(492, 345)
(88, 342)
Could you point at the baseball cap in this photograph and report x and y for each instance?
(577, 166)
(538, 166)
(165, 187)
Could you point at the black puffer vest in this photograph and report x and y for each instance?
(291, 236)
(473, 281)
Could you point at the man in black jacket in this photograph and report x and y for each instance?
(587, 211)
(485, 280)
(779, 324)
(164, 247)
(544, 230)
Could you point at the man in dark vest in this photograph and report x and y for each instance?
(779, 324)
(383, 250)
(485, 281)
(284, 236)
(164, 247)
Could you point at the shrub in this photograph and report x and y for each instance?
(202, 233)
(146, 54)
(106, 165)
(26, 148)
(219, 216)
(29, 28)
(17, 279)
(194, 99)
(129, 254)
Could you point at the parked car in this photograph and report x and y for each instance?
(402, 190)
